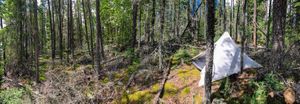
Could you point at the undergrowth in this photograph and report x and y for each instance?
(11, 96)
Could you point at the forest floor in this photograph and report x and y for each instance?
(138, 83)
(182, 87)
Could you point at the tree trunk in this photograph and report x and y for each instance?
(269, 24)
(86, 26)
(79, 24)
(254, 36)
(162, 20)
(151, 37)
(98, 39)
(91, 29)
(134, 19)
(43, 26)
(140, 27)
(244, 33)
(224, 15)
(231, 16)
(1, 23)
(36, 37)
(237, 21)
(279, 18)
(50, 11)
(210, 33)
(61, 50)
(70, 32)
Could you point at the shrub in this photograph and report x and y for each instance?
(11, 96)
(260, 95)
(181, 54)
(273, 82)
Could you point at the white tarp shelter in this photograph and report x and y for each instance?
(226, 59)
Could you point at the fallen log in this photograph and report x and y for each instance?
(162, 84)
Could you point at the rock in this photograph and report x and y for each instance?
(84, 60)
(218, 101)
(297, 89)
(289, 96)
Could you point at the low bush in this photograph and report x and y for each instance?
(11, 96)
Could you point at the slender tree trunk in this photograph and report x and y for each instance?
(43, 26)
(254, 36)
(279, 20)
(1, 23)
(91, 29)
(224, 15)
(98, 39)
(134, 19)
(151, 38)
(61, 50)
(72, 40)
(86, 26)
(269, 24)
(210, 33)
(79, 24)
(175, 20)
(2, 42)
(162, 20)
(36, 36)
(19, 29)
(177, 10)
(140, 26)
(52, 30)
(244, 33)
(237, 21)
(70, 32)
(191, 19)
(231, 16)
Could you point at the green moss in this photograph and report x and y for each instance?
(137, 97)
(197, 99)
(187, 73)
(105, 80)
(170, 90)
(185, 91)
(155, 88)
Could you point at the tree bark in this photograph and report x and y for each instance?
(177, 10)
(79, 24)
(279, 20)
(52, 32)
(36, 36)
(98, 40)
(43, 26)
(231, 17)
(224, 15)
(139, 23)
(61, 50)
(237, 21)
(86, 26)
(1, 23)
(210, 33)
(151, 37)
(91, 30)
(70, 32)
(134, 20)
(254, 36)
(269, 24)
(244, 34)
(162, 20)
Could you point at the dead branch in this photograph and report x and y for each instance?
(162, 85)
